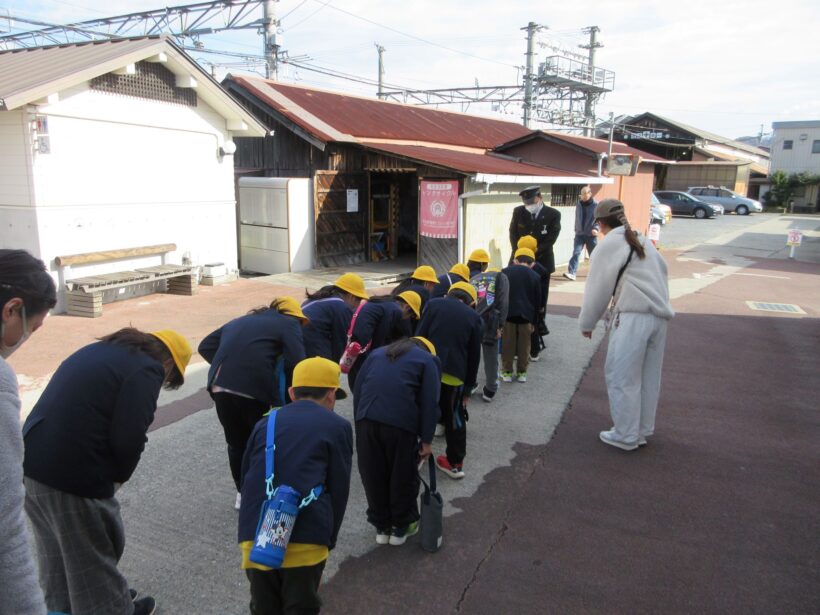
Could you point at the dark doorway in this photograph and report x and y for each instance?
(393, 216)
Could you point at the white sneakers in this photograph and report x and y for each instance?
(569, 276)
(238, 501)
(609, 437)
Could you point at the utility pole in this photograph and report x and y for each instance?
(589, 105)
(270, 46)
(529, 77)
(380, 49)
(611, 135)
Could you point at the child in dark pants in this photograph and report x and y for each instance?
(453, 326)
(522, 315)
(540, 329)
(313, 446)
(395, 403)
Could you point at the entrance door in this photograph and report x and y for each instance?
(393, 216)
(341, 223)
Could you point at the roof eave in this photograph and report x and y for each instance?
(492, 178)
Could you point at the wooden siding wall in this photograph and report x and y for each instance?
(340, 235)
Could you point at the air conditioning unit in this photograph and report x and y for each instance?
(622, 164)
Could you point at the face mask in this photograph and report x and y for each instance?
(7, 351)
(533, 209)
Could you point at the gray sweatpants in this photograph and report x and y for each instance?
(79, 543)
(490, 356)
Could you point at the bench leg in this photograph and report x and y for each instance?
(183, 285)
(81, 303)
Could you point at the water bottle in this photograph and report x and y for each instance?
(351, 353)
(275, 527)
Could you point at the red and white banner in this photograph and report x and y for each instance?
(438, 209)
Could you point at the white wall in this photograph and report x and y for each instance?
(18, 219)
(125, 172)
(799, 158)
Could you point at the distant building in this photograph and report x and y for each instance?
(796, 149)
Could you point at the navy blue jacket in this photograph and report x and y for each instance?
(326, 333)
(525, 294)
(379, 322)
(88, 429)
(455, 330)
(314, 446)
(544, 278)
(244, 354)
(445, 281)
(417, 287)
(402, 393)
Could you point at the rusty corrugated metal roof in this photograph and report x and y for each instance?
(332, 116)
(467, 162)
(590, 144)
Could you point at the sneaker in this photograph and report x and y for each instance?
(399, 535)
(455, 470)
(473, 389)
(569, 276)
(439, 430)
(534, 358)
(145, 606)
(506, 376)
(382, 536)
(608, 437)
(487, 395)
(133, 593)
(522, 377)
(238, 502)
(641, 441)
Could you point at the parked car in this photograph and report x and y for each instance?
(658, 212)
(684, 204)
(731, 201)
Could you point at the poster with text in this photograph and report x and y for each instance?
(438, 209)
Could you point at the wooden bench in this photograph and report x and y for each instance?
(85, 295)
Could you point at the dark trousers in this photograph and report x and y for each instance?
(388, 460)
(286, 591)
(454, 416)
(238, 416)
(535, 338)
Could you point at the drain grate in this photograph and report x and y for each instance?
(783, 308)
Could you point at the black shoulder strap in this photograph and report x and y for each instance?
(622, 269)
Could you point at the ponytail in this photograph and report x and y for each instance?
(619, 219)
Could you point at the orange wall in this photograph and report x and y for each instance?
(634, 192)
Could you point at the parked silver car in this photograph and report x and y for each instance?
(731, 201)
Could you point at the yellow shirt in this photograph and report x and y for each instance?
(297, 555)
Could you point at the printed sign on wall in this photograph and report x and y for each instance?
(438, 209)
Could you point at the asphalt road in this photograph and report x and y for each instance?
(684, 231)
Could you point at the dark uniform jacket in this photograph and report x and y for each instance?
(445, 281)
(325, 334)
(525, 294)
(411, 284)
(314, 446)
(245, 354)
(88, 429)
(545, 227)
(401, 393)
(455, 329)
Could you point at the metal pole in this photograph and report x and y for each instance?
(380, 49)
(589, 104)
(269, 45)
(611, 134)
(528, 76)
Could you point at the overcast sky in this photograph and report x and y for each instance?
(727, 66)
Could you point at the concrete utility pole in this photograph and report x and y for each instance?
(529, 77)
(380, 49)
(589, 105)
(270, 46)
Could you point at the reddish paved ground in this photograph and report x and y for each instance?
(719, 514)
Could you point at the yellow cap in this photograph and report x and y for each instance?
(466, 287)
(177, 345)
(318, 372)
(425, 273)
(525, 252)
(353, 284)
(528, 241)
(427, 343)
(412, 299)
(480, 256)
(289, 306)
(461, 270)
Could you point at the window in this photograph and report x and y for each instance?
(815, 146)
(696, 191)
(727, 194)
(788, 144)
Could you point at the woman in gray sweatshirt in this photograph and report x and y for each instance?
(627, 272)
(26, 294)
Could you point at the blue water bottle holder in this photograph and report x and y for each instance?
(279, 511)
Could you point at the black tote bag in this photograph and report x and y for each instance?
(432, 513)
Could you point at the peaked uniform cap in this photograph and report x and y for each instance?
(525, 252)
(320, 373)
(412, 299)
(461, 270)
(479, 256)
(177, 345)
(467, 288)
(353, 284)
(425, 273)
(527, 241)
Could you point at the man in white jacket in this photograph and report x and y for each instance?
(628, 271)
